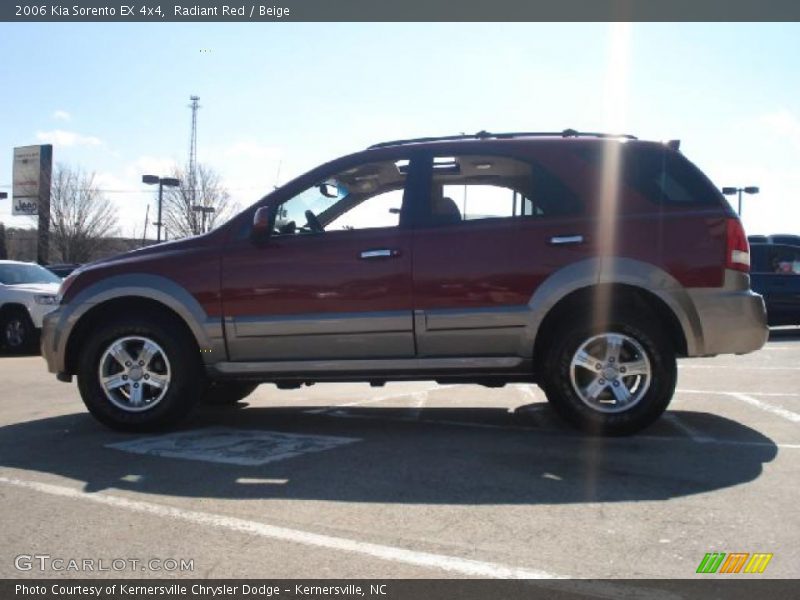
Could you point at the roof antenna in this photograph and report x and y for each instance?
(570, 133)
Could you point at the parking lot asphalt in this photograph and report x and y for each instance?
(409, 480)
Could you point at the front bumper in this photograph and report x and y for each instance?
(50, 342)
(38, 312)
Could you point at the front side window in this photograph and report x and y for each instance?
(364, 197)
(472, 188)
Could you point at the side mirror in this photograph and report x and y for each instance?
(329, 190)
(262, 224)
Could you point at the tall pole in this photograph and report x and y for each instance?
(740, 202)
(195, 105)
(45, 182)
(146, 219)
(160, 194)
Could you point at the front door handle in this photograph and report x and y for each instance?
(379, 253)
(563, 240)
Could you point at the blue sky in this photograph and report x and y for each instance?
(113, 98)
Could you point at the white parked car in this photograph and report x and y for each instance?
(27, 293)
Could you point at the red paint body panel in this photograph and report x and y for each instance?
(194, 264)
(317, 274)
(490, 263)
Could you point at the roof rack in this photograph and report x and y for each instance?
(485, 135)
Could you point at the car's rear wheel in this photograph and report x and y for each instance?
(19, 334)
(140, 373)
(227, 393)
(612, 379)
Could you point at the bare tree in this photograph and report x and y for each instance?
(180, 215)
(81, 218)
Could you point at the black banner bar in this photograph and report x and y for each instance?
(727, 587)
(129, 11)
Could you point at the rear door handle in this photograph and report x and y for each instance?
(379, 253)
(563, 240)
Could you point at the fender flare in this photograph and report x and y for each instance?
(206, 330)
(597, 271)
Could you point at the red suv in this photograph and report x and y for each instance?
(583, 263)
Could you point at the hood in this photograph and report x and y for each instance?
(150, 251)
(36, 288)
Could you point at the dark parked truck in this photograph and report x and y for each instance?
(776, 276)
(583, 263)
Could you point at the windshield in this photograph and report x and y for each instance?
(20, 274)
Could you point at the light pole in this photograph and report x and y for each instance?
(205, 210)
(161, 181)
(730, 191)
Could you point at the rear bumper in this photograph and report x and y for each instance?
(733, 319)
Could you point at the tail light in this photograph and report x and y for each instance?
(737, 252)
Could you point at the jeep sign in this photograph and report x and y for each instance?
(33, 167)
(27, 175)
(24, 206)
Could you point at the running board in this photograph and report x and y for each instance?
(367, 367)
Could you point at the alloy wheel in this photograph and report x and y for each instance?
(134, 373)
(610, 372)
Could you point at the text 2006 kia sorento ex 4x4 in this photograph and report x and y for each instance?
(581, 262)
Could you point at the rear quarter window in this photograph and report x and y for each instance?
(660, 174)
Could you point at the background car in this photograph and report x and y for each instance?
(775, 274)
(62, 270)
(775, 238)
(27, 292)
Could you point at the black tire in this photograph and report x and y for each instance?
(186, 382)
(557, 379)
(19, 336)
(227, 393)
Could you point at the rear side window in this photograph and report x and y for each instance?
(660, 174)
(477, 187)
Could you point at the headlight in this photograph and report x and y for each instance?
(47, 299)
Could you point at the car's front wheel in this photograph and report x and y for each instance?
(140, 373)
(18, 332)
(612, 379)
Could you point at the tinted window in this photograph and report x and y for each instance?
(792, 240)
(784, 260)
(660, 174)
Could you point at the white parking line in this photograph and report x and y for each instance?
(767, 348)
(419, 402)
(765, 406)
(774, 394)
(342, 414)
(453, 564)
(335, 407)
(690, 431)
(771, 408)
(738, 367)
